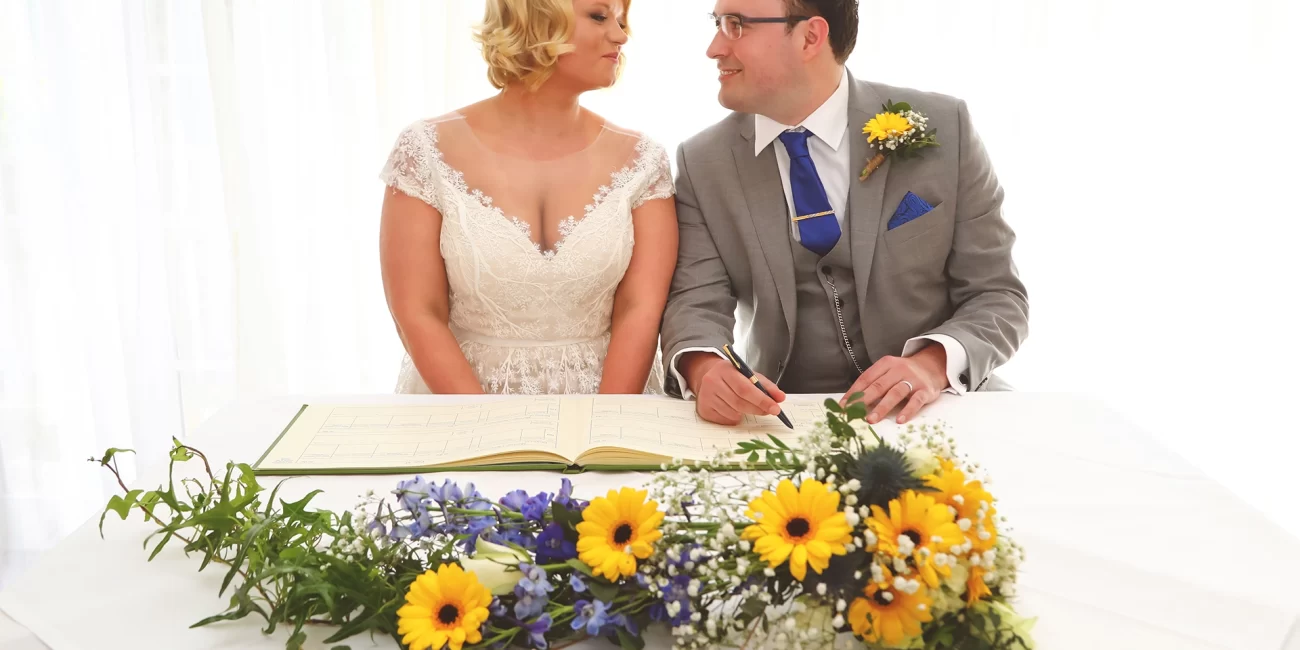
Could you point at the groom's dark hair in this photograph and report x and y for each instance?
(841, 15)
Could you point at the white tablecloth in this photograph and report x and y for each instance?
(1128, 546)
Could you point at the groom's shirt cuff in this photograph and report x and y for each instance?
(677, 374)
(958, 363)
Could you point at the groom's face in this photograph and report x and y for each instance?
(756, 69)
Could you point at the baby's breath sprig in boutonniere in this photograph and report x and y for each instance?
(898, 130)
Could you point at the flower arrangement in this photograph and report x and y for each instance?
(899, 130)
(848, 540)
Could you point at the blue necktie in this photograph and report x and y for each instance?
(818, 228)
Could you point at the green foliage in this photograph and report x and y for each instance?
(285, 562)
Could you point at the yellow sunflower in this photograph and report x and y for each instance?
(969, 498)
(888, 615)
(803, 524)
(616, 530)
(884, 125)
(975, 587)
(928, 527)
(444, 607)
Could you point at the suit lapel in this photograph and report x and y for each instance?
(866, 198)
(769, 216)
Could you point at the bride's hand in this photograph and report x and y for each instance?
(722, 394)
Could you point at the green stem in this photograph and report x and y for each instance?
(486, 513)
(508, 635)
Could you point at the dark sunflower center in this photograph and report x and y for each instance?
(914, 536)
(797, 527)
(879, 597)
(448, 614)
(623, 533)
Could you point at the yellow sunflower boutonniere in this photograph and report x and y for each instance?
(898, 130)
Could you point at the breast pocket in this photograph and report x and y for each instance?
(922, 243)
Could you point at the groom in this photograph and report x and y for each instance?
(901, 286)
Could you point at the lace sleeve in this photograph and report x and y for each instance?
(411, 166)
(659, 176)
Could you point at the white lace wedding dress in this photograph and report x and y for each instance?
(530, 318)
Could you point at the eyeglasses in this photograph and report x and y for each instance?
(732, 26)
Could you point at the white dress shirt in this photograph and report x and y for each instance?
(830, 151)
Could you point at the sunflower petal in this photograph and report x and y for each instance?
(818, 549)
(799, 562)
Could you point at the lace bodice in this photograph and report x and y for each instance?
(529, 318)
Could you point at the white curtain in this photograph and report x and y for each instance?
(188, 205)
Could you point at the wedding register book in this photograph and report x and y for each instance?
(570, 433)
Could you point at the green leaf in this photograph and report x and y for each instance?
(566, 517)
(778, 442)
(580, 567)
(901, 107)
(113, 451)
(856, 411)
(603, 589)
(158, 549)
(833, 406)
(753, 457)
(628, 642)
(179, 453)
(238, 562)
(295, 642)
(297, 508)
(227, 616)
(753, 607)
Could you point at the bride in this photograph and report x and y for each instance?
(506, 237)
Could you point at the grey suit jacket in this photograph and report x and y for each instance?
(948, 272)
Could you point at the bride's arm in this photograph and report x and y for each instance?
(415, 285)
(639, 300)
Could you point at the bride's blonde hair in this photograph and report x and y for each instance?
(523, 39)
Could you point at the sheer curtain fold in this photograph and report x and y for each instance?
(189, 203)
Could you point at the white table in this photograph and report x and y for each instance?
(1127, 544)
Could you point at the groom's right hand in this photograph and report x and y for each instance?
(722, 394)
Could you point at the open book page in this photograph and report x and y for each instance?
(629, 429)
(523, 429)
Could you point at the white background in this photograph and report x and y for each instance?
(189, 207)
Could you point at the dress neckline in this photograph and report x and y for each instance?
(473, 135)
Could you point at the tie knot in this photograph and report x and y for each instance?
(796, 142)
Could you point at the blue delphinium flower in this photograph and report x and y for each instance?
(552, 547)
(534, 509)
(448, 492)
(623, 621)
(565, 496)
(565, 493)
(676, 592)
(532, 591)
(411, 494)
(576, 582)
(591, 616)
(514, 500)
(506, 534)
(537, 631)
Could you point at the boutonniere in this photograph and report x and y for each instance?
(898, 130)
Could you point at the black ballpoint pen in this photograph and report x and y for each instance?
(749, 374)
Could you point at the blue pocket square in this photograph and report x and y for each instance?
(911, 207)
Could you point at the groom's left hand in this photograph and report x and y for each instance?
(883, 389)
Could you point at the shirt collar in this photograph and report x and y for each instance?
(828, 122)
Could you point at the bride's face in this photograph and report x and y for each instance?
(599, 32)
